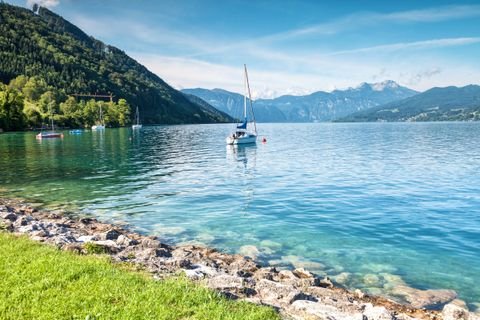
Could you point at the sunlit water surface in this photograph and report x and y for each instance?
(384, 199)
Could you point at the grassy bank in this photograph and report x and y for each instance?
(41, 282)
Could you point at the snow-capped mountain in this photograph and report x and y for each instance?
(318, 106)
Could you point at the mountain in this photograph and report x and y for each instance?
(318, 106)
(232, 104)
(45, 45)
(436, 104)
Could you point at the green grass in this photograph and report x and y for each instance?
(41, 282)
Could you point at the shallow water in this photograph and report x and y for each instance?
(385, 199)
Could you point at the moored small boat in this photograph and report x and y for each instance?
(242, 135)
(101, 124)
(46, 135)
(137, 124)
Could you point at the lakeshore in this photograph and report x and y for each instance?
(296, 294)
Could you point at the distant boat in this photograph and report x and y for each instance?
(137, 124)
(242, 135)
(76, 131)
(101, 124)
(52, 133)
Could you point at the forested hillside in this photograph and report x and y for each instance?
(42, 44)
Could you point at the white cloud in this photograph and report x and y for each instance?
(426, 44)
(192, 73)
(357, 20)
(43, 3)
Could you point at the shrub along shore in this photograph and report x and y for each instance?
(174, 282)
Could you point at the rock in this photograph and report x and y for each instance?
(325, 283)
(61, 240)
(123, 240)
(376, 313)
(150, 243)
(23, 221)
(40, 234)
(454, 311)
(111, 234)
(150, 253)
(342, 278)
(265, 273)
(302, 273)
(249, 251)
(318, 311)
(87, 220)
(285, 275)
(358, 294)
(371, 280)
(206, 270)
(271, 244)
(278, 294)
(391, 281)
(9, 216)
(87, 238)
(73, 247)
(194, 274)
(225, 281)
(424, 298)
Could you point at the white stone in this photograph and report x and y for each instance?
(453, 311)
(85, 238)
(376, 313)
(315, 310)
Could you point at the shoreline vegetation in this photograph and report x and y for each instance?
(28, 103)
(187, 269)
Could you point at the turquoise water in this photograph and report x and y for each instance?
(385, 199)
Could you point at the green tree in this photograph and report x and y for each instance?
(123, 112)
(11, 109)
(90, 113)
(34, 88)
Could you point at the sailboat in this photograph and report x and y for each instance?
(242, 135)
(49, 134)
(101, 125)
(137, 124)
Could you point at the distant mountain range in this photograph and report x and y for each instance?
(436, 104)
(318, 106)
(42, 44)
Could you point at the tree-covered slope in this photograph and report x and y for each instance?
(436, 104)
(47, 46)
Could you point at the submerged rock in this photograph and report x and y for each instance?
(249, 251)
(424, 298)
(372, 280)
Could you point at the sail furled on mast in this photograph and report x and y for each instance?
(243, 125)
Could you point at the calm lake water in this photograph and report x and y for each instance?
(385, 199)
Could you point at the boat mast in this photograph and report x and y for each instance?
(250, 98)
(245, 81)
(51, 116)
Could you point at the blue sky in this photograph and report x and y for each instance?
(290, 47)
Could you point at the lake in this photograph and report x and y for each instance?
(363, 203)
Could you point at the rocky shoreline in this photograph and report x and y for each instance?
(296, 294)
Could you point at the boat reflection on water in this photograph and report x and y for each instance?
(245, 154)
(243, 159)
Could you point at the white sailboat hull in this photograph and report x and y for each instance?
(98, 127)
(136, 126)
(247, 139)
